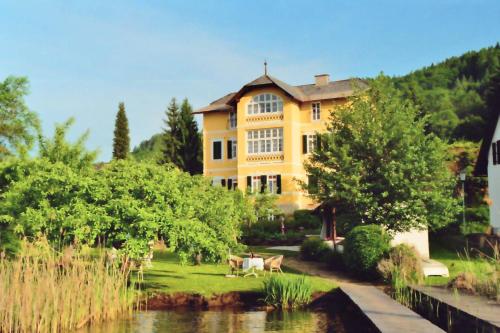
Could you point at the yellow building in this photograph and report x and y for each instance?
(259, 136)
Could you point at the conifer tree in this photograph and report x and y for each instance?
(121, 140)
(172, 135)
(191, 148)
(182, 139)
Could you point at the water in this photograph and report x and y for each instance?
(230, 321)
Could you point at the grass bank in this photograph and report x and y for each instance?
(457, 263)
(168, 276)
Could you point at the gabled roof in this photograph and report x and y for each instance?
(481, 167)
(302, 93)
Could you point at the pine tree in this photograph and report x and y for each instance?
(121, 141)
(191, 147)
(182, 141)
(172, 135)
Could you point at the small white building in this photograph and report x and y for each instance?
(488, 164)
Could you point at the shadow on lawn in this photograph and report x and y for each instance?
(209, 274)
(161, 274)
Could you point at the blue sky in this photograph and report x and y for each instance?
(83, 57)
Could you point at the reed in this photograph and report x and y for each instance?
(42, 290)
(287, 292)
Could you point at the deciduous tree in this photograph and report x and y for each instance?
(377, 159)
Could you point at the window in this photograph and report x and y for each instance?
(265, 103)
(232, 120)
(316, 111)
(495, 150)
(231, 149)
(309, 143)
(217, 149)
(232, 183)
(256, 185)
(272, 184)
(269, 140)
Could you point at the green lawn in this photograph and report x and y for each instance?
(456, 262)
(168, 276)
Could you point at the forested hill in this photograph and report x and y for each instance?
(454, 92)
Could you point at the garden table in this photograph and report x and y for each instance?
(252, 264)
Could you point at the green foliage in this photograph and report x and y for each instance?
(286, 292)
(314, 249)
(149, 150)
(125, 203)
(265, 205)
(377, 160)
(17, 123)
(453, 93)
(182, 141)
(402, 263)
(364, 246)
(121, 139)
(304, 218)
(58, 149)
(477, 220)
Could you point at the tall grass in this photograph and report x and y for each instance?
(44, 291)
(483, 279)
(287, 292)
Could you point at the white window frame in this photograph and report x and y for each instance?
(221, 149)
(256, 184)
(264, 104)
(272, 184)
(233, 121)
(316, 111)
(312, 141)
(265, 141)
(234, 148)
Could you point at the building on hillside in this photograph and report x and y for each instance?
(259, 136)
(488, 164)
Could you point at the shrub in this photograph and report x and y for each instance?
(304, 218)
(314, 249)
(287, 292)
(403, 263)
(364, 247)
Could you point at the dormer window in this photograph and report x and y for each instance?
(265, 103)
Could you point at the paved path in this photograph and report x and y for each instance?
(384, 312)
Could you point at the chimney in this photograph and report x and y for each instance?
(321, 80)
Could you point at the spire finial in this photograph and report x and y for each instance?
(265, 67)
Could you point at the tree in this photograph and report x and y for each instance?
(190, 147)
(150, 150)
(172, 135)
(377, 159)
(58, 149)
(121, 140)
(17, 123)
(182, 139)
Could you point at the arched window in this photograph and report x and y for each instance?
(265, 103)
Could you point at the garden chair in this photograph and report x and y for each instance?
(235, 263)
(273, 264)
